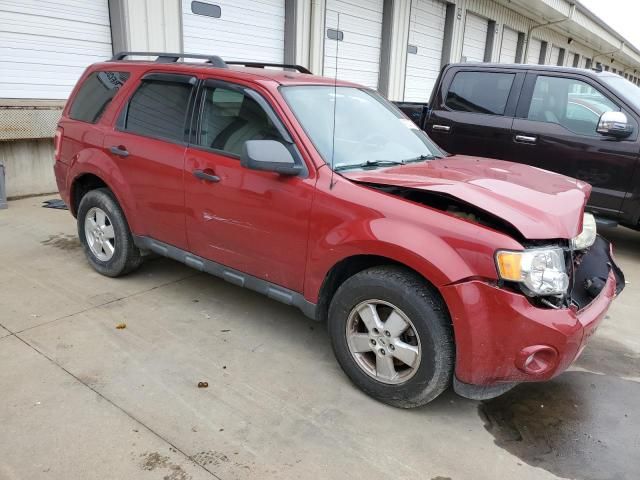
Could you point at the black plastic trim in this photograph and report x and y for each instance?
(271, 290)
(169, 77)
(286, 66)
(481, 392)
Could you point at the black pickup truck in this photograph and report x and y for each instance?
(581, 123)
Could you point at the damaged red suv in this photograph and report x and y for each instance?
(431, 270)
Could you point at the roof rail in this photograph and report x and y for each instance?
(289, 66)
(164, 57)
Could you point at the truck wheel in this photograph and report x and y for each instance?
(392, 336)
(105, 235)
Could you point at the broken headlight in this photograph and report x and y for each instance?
(588, 235)
(541, 271)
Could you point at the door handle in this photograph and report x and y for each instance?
(120, 150)
(207, 177)
(526, 139)
(441, 128)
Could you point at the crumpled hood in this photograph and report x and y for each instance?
(539, 203)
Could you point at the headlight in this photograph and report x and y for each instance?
(541, 270)
(588, 235)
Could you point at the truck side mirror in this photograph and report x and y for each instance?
(270, 156)
(614, 124)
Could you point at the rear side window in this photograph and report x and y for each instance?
(480, 92)
(159, 109)
(95, 94)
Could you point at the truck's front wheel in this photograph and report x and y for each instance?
(392, 336)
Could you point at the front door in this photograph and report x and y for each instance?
(556, 130)
(253, 221)
(148, 146)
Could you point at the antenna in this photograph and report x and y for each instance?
(335, 102)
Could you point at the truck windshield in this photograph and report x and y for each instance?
(369, 131)
(625, 88)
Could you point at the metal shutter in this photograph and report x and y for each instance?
(475, 38)
(47, 45)
(359, 49)
(535, 47)
(555, 56)
(426, 34)
(509, 47)
(249, 30)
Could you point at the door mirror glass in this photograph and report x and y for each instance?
(614, 124)
(270, 156)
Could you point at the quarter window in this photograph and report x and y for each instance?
(230, 118)
(95, 94)
(574, 104)
(159, 109)
(480, 92)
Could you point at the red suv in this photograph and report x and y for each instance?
(430, 269)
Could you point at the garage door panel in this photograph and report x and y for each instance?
(45, 46)
(247, 30)
(426, 34)
(535, 47)
(509, 46)
(359, 50)
(475, 37)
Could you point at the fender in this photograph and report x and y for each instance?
(96, 162)
(444, 249)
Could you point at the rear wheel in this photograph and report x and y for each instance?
(105, 235)
(392, 336)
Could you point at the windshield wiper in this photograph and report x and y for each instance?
(420, 158)
(368, 163)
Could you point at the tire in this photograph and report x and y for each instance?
(123, 256)
(429, 336)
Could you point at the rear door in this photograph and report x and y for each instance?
(252, 221)
(474, 111)
(556, 130)
(148, 146)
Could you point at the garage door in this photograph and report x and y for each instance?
(358, 42)
(555, 56)
(535, 47)
(475, 38)
(45, 46)
(249, 30)
(509, 47)
(424, 53)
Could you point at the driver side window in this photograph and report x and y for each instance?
(574, 104)
(230, 118)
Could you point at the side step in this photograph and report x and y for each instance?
(271, 290)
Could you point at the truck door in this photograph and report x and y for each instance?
(555, 129)
(473, 112)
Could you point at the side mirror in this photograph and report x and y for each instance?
(270, 156)
(614, 124)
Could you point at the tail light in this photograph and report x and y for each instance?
(57, 143)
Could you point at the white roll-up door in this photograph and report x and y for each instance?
(247, 30)
(424, 53)
(358, 44)
(555, 56)
(475, 38)
(509, 47)
(535, 46)
(46, 45)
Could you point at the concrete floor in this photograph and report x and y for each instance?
(81, 399)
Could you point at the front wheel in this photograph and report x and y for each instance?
(105, 236)
(392, 336)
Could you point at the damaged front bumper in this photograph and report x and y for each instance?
(502, 339)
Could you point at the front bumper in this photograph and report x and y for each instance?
(496, 329)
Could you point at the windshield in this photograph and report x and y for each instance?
(627, 90)
(369, 131)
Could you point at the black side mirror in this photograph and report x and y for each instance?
(614, 124)
(270, 156)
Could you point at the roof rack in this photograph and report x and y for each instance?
(298, 68)
(163, 57)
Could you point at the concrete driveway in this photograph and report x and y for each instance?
(82, 399)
